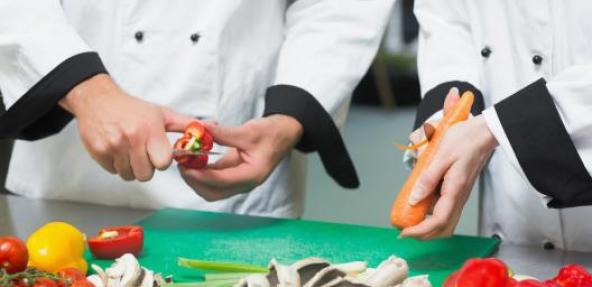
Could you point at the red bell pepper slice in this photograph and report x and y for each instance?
(113, 242)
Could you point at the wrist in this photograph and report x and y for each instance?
(489, 140)
(87, 90)
(287, 125)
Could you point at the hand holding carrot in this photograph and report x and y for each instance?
(454, 165)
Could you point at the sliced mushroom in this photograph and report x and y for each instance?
(416, 281)
(345, 282)
(325, 276)
(159, 281)
(352, 268)
(282, 275)
(389, 273)
(96, 280)
(307, 268)
(132, 270)
(101, 274)
(272, 276)
(255, 280)
(139, 279)
(148, 280)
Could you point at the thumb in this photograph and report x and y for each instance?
(175, 122)
(451, 99)
(228, 136)
(429, 180)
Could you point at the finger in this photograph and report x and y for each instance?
(159, 149)
(106, 162)
(428, 180)
(433, 203)
(243, 175)
(433, 224)
(104, 158)
(175, 122)
(451, 99)
(429, 130)
(142, 167)
(122, 165)
(207, 192)
(230, 136)
(448, 208)
(230, 159)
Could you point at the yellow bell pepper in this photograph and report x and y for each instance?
(55, 246)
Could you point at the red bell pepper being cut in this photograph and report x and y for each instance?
(113, 242)
(195, 139)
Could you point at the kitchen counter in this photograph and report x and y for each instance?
(20, 216)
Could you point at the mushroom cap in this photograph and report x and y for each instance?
(325, 276)
(390, 272)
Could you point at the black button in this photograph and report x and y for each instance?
(537, 60)
(194, 37)
(139, 36)
(548, 245)
(485, 52)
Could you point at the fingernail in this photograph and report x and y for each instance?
(454, 90)
(415, 197)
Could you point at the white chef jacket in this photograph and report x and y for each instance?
(498, 49)
(208, 59)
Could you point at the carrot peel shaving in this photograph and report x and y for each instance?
(413, 146)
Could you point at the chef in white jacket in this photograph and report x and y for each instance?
(530, 65)
(127, 71)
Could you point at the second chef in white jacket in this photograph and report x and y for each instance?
(530, 65)
(228, 61)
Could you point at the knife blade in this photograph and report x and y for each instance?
(178, 152)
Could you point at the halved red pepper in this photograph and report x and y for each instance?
(113, 242)
(196, 138)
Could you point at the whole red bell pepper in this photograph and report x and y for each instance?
(113, 242)
(531, 283)
(492, 272)
(573, 276)
(195, 138)
(489, 272)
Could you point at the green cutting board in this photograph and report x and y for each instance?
(173, 233)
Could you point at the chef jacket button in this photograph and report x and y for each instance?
(485, 52)
(194, 37)
(548, 245)
(537, 59)
(139, 36)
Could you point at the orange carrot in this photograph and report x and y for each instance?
(403, 214)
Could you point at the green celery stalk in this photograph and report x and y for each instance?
(220, 266)
(226, 276)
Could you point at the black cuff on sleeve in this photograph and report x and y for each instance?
(320, 133)
(543, 147)
(433, 101)
(37, 113)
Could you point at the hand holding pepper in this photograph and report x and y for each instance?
(125, 135)
(256, 149)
